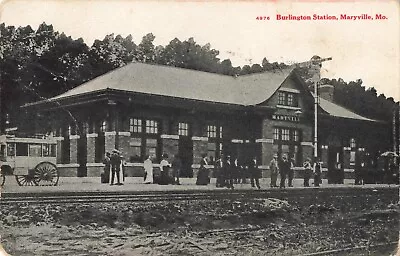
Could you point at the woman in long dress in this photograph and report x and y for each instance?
(148, 171)
(202, 176)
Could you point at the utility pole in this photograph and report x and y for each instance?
(314, 62)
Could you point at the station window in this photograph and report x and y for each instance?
(285, 134)
(287, 99)
(281, 98)
(135, 149)
(135, 125)
(183, 129)
(151, 127)
(21, 149)
(352, 143)
(276, 134)
(145, 139)
(211, 131)
(151, 147)
(296, 135)
(352, 157)
(211, 150)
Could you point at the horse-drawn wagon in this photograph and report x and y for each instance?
(31, 160)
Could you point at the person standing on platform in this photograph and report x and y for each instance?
(284, 167)
(164, 169)
(105, 178)
(274, 168)
(291, 172)
(218, 167)
(307, 172)
(317, 173)
(254, 173)
(228, 170)
(176, 169)
(202, 176)
(244, 167)
(235, 171)
(148, 170)
(115, 160)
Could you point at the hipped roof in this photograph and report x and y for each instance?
(185, 83)
(247, 90)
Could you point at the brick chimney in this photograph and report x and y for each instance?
(326, 92)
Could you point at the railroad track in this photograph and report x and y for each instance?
(154, 196)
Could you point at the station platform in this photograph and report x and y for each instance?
(92, 184)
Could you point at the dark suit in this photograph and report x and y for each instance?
(255, 173)
(218, 167)
(284, 168)
(176, 168)
(115, 167)
(229, 173)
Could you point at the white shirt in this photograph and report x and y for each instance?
(164, 163)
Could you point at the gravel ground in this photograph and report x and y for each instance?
(217, 227)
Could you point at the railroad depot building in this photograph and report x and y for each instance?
(144, 109)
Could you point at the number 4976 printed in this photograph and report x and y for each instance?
(262, 18)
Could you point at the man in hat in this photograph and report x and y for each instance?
(105, 177)
(317, 173)
(228, 172)
(307, 172)
(284, 168)
(273, 167)
(115, 161)
(255, 174)
(218, 167)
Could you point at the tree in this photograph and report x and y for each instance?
(145, 50)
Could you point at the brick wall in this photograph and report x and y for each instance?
(199, 148)
(59, 151)
(169, 146)
(267, 153)
(109, 141)
(307, 151)
(124, 146)
(73, 150)
(91, 148)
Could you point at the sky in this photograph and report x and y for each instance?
(365, 49)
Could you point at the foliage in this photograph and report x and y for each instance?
(35, 65)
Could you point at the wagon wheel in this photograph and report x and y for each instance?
(46, 174)
(25, 180)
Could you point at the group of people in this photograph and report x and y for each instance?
(227, 171)
(165, 176)
(230, 172)
(113, 167)
(285, 168)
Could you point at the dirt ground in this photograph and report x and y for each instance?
(217, 227)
